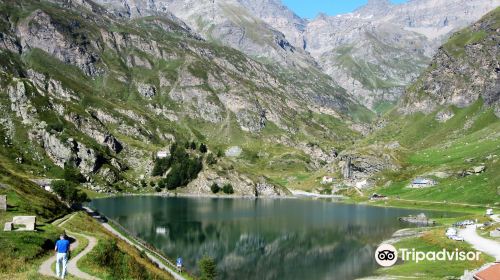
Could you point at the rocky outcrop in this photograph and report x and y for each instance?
(20, 104)
(377, 50)
(360, 165)
(39, 31)
(444, 115)
(265, 189)
(95, 130)
(242, 185)
(67, 152)
(145, 90)
(198, 103)
(465, 69)
(58, 151)
(238, 24)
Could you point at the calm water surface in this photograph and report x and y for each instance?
(261, 238)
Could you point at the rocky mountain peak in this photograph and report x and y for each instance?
(375, 7)
(472, 53)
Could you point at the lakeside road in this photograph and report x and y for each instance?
(151, 256)
(297, 193)
(446, 203)
(487, 246)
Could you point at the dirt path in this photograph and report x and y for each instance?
(72, 264)
(46, 267)
(72, 268)
(487, 246)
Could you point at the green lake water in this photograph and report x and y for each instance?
(261, 238)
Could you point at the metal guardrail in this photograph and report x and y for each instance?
(141, 242)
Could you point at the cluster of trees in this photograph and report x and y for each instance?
(68, 192)
(227, 188)
(193, 146)
(72, 174)
(67, 188)
(183, 168)
(161, 165)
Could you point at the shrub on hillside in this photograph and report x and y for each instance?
(228, 189)
(69, 192)
(208, 268)
(72, 174)
(161, 166)
(192, 145)
(215, 188)
(211, 160)
(203, 148)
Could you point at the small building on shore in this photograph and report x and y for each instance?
(377, 196)
(420, 183)
(326, 180)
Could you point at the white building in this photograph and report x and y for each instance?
(162, 154)
(326, 180)
(489, 212)
(422, 183)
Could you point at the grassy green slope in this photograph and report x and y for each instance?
(430, 149)
(445, 151)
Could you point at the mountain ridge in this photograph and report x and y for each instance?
(103, 93)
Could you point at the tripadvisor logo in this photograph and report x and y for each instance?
(387, 255)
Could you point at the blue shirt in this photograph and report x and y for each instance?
(62, 245)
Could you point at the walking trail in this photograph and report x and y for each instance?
(46, 267)
(487, 246)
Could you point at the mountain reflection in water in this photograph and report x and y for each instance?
(261, 238)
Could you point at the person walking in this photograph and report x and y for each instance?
(62, 255)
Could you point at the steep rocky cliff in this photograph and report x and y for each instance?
(243, 25)
(379, 49)
(373, 53)
(81, 86)
(464, 70)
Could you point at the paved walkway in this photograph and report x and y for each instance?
(46, 267)
(479, 243)
(72, 264)
(72, 268)
(155, 259)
